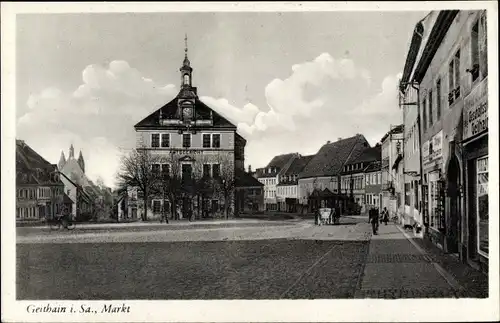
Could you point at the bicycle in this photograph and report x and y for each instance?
(56, 223)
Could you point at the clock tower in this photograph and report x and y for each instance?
(187, 96)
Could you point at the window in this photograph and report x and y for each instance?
(215, 170)
(430, 108)
(206, 170)
(206, 140)
(155, 168)
(165, 169)
(457, 74)
(165, 140)
(482, 205)
(424, 114)
(438, 99)
(483, 45)
(156, 206)
(454, 78)
(155, 140)
(474, 48)
(216, 141)
(186, 140)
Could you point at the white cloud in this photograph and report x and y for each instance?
(320, 100)
(99, 115)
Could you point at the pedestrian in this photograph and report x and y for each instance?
(373, 213)
(385, 215)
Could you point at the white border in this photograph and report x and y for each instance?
(238, 311)
(479, 251)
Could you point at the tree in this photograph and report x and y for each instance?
(225, 183)
(136, 170)
(169, 184)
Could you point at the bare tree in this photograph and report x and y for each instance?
(225, 182)
(169, 184)
(136, 170)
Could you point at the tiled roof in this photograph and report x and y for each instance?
(332, 156)
(280, 160)
(244, 179)
(31, 168)
(169, 111)
(369, 154)
(373, 167)
(298, 165)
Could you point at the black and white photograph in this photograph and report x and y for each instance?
(332, 159)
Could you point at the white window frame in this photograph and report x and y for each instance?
(159, 139)
(190, 140)
(210, 142)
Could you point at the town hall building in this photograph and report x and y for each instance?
(192, 141)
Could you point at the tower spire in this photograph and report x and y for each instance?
(185, 45)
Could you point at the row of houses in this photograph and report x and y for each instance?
(346, 170)
(444, 103)
(44, 190)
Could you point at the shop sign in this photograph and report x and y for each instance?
(425, 152)
(475, 113)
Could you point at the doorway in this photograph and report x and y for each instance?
(454, 206)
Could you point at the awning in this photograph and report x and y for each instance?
(397, 161)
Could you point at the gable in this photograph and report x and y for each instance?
(169, 111)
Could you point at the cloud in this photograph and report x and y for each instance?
(99, 115)
(320, 100)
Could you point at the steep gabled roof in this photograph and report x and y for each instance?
(373, 167)
(169, 111)
(332, 156)
(298, 165)
(31, 168)
(397, 129)
(280, 160)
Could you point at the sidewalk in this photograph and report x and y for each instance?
(396, 268)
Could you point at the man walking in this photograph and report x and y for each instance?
(373, 214)
(385, 216)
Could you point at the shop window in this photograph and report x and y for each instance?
(482, 205)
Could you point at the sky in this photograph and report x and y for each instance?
(290, 81)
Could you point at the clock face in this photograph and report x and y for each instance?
(188, 112)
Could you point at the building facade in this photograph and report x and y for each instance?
(323, 171)
(270, 176)
(354, 178)
(373, 186)
(393, 189)
(39, 190)
(249, 193)
(287, 190)
(450, 74)
(193, 143)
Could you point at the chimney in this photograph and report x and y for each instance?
(250, 169)
(327, 142)
(339, 139)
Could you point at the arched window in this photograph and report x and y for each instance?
(186, 79)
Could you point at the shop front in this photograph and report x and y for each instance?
(434, 191)
(475, 147)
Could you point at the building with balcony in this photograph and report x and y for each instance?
(195, 144)
(445, 83)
